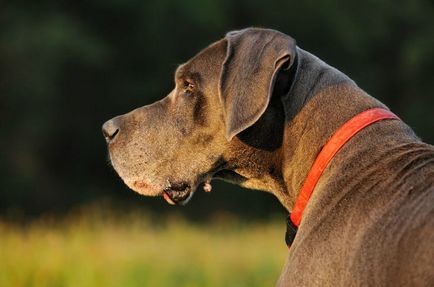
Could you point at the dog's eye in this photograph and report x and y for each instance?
(188, 87)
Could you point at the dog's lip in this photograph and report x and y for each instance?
(177, 193)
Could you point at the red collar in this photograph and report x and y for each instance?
(335, 143)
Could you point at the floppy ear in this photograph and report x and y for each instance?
(253, 58)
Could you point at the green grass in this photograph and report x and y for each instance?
(94, 248)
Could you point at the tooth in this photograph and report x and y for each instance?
(168, 183)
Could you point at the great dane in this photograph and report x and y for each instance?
(256, 110)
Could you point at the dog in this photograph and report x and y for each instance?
(256, 110)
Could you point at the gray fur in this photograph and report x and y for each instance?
(306, 85)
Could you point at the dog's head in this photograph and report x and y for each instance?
(219, 114)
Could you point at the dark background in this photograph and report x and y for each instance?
(68, 66)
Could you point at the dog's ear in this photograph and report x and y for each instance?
(253, 58)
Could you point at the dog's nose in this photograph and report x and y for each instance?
(110, 129)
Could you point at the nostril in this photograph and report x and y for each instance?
(112, 136)
(115, 133)
(110, 130)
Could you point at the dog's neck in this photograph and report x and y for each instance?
(320, 101)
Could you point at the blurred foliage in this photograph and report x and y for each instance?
(101, 247)
(67, 66)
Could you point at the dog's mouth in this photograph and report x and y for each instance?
(180, 193)
(177, 193)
